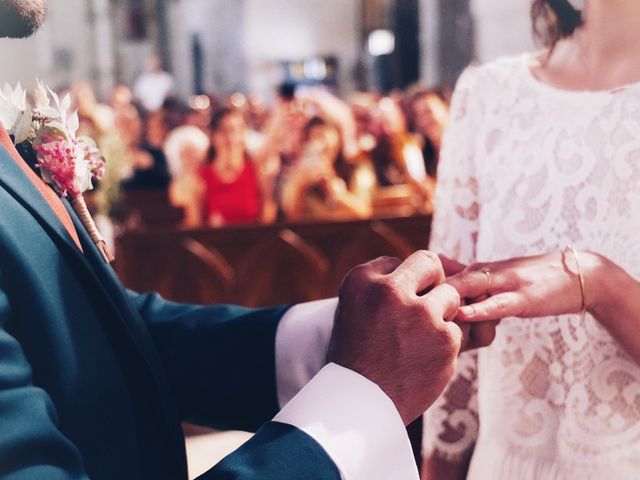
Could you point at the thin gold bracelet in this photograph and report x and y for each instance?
(583, 310)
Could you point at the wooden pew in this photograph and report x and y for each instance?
(261, 265)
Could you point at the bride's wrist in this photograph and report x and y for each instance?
(603, 282)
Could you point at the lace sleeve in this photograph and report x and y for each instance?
(451, 425)
(455, 224)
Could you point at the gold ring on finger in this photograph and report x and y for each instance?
(487, 273)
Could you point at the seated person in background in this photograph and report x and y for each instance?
(283, 133)
(154, 85)
(428, 114)
(199, 111)
(96, 119)
(397, 156)
(324, 185)
(121, 99)
(362, 106)
(186, 151)
(231, 184)
(256, 113)
(253, 112)
(148, 164)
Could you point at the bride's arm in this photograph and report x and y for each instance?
(549, 284)
(616, 304)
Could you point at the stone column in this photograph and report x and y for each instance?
(103, 61)
(430, 41)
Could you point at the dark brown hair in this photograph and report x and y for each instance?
(554, 20)
(218, 116)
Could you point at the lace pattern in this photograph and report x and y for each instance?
(526, 169)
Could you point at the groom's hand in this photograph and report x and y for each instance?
(392, 327)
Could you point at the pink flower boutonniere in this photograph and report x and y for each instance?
(66, 162)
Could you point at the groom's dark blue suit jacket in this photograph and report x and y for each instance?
(94, 380)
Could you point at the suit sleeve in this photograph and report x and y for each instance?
(220, 360)
(31, 444)
(277, 451)
(33, 448)
(221, 363)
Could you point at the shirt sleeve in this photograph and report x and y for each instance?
(302, 341)
(355, 422)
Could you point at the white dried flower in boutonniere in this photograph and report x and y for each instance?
(66, 162)
(15, 113)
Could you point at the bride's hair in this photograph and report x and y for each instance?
(554, 20)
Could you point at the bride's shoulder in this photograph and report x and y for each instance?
(499, 73)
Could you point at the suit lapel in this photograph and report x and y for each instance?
(18, 185)
(91, 263)
(133, 326)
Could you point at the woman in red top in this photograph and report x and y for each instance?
(232, 190)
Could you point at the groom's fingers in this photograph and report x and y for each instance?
(368, 272)
(483, 334)
(419, 272)
(456, 334)
(443, 302)
(509, 304)
(384, 265)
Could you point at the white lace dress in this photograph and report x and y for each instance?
(525, 169)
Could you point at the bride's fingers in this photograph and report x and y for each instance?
(474, 283)
(499, 306)
(451, 266)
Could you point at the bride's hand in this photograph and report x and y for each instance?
(474, 335)
(536, 286)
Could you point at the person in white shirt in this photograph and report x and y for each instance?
(153, 86)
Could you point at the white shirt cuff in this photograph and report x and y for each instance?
(356, 423)
(302, 340)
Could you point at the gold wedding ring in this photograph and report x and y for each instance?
(578, 272)
(487, 273)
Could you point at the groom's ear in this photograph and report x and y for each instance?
(21, 18)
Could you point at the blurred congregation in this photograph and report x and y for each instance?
(214, 163)
(233, 160)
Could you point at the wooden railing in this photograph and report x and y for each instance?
(261, 265)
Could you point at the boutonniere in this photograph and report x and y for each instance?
(68, 163)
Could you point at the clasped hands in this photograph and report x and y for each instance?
(402, 324)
